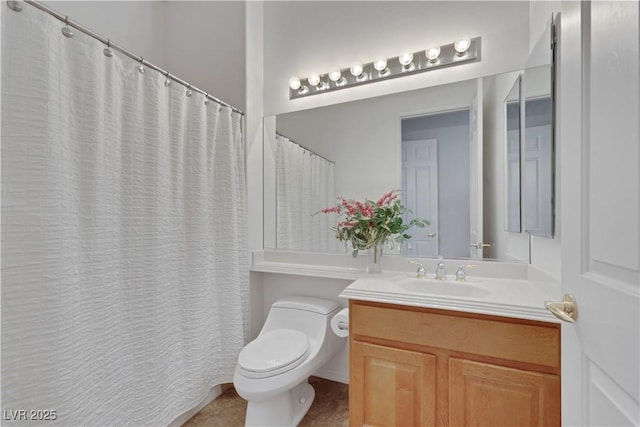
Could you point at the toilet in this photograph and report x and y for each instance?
(273, 370)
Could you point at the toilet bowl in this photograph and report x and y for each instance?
(273, 370)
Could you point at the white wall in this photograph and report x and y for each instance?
(254, 151)
(298, 41)
(205, 45)
(137, 26)
(539, 15)
(201, 42)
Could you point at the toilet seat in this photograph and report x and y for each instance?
(273, 353)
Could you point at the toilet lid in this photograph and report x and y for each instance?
(274, 350)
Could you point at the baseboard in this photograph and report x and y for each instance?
(213, 393)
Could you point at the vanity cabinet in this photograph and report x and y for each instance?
(413, 366)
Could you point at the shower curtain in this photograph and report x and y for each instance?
(305, 184)
(124, 246)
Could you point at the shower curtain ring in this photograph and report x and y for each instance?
(107, 50)
(14, 5)
(167, 80)
(141, 66)
(66, 31)
(189, 92)
(206, 99)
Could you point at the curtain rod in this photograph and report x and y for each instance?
(15, 5)
(305, 148)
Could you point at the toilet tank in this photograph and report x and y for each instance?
(307, 314)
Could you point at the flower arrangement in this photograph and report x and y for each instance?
(369, 223)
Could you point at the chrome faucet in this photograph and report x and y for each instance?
(441, 272)
(461, 275)
(421, 273)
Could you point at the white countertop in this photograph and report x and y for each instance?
(522, 299)
(504, 289)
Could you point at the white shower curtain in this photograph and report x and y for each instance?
(124, 254)
(305, 184)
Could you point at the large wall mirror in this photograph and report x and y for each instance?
(460, 152)
(451, 136)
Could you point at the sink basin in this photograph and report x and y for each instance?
(442, 287)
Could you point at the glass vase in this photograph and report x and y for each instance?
(374, 257)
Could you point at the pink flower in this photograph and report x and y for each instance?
(334, 209)
(365, 223)
(388, 198)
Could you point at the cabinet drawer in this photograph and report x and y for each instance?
(522, 341)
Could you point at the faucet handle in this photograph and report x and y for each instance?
(421, 273)
(441, 271)
(461, 275)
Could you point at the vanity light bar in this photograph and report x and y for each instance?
(408, 63)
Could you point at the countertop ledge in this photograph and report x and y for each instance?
(330, 272)
(513, 296)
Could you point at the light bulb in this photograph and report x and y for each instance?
(432, 54)
(462, 46)
(335, 74)
(380, 63)
(294, 83)
(314, 79)
(406, 58)
(356, 69)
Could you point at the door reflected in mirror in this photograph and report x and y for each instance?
(435, 180)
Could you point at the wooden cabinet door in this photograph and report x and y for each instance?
(391, 387)
(481, 394)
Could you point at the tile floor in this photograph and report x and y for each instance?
(329, 409)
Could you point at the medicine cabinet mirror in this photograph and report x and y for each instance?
(538, 134)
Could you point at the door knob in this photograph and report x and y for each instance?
(566, 310)
(432, 234)
(480, 245)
